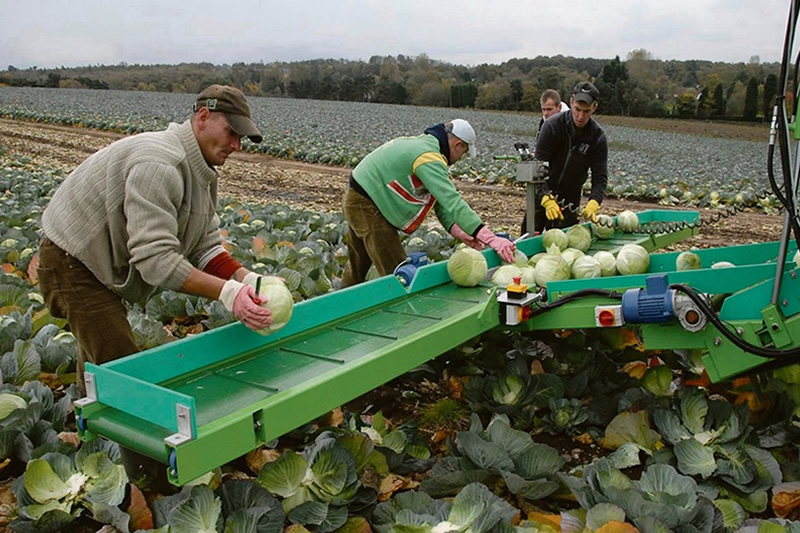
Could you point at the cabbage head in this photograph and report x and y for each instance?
(632, 259)
(570, 255)
(551, 268)
(604, 228)
(555, 236)
(10, 402)
(467, 267)
(415, 244)
(688, 261)
(608, 263)
(586, 266)
(528, 275)
(579, 237)
(723, 264)
(520, 259)
(535, 258)
(505, 275)
(508, 390)
(278, 299)
(628, 221)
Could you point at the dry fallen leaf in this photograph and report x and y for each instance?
(553, 520)
(141, 516)
(259, 457)
(456, 386)
(786, 500)
(635, 369)
(334, 418)
(391, 484)
(70, 438)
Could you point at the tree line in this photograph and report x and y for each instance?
(639, 85)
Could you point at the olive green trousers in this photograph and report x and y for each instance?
(97, 317)
(370, 239)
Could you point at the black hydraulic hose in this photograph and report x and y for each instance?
(788, 43)
(780, 125)
(776, 189)
(541, 308)
(737, 341)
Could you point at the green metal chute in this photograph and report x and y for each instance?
(198, 403)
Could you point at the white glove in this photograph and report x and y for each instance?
(239, 299)
(251, 278)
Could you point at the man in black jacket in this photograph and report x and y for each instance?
(572, 143)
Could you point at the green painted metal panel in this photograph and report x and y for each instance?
(776, 326)
(185, 355)
(741, 255)
(336, 347)
(747, 304)
(725, 360)
(217, 396)
(175, 359)
(672, 336)
(313, 396)
(576, 314)
(227, 439)
(142, 399)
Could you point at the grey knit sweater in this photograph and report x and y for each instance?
(140, 212)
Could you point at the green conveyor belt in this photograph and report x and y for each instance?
(205, 400)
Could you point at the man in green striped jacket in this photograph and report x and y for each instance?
(394, 187)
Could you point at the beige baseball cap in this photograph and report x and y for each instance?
(231, 102)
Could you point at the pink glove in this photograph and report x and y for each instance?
(240, 299)
(465, 237)
(503, 247)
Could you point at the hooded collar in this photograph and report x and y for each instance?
(441, 135)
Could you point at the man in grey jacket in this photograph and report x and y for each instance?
(139, 215)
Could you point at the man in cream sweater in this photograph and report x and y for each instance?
(139, 215)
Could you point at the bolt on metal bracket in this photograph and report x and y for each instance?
(184, 434)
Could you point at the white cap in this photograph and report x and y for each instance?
(462, 129)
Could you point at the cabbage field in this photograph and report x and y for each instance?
(674, 168)
(573, 431)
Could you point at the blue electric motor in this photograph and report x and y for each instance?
(654, 303)
(405, 271)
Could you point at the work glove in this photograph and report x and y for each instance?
(504, 247)
(466, 238)
(590, 211)
(251, 278)
(551, 209)
(240, 299)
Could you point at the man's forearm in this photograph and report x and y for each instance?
(201, 284)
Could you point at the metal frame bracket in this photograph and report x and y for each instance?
(184, 419)
(91, 386)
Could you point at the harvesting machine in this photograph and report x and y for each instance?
(200, 402)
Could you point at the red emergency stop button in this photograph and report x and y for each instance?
(606, 316)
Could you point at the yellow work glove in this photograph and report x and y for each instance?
(590, 211)
(551, 209)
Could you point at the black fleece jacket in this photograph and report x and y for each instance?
(571, 154)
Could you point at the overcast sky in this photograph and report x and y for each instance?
(50, 33)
